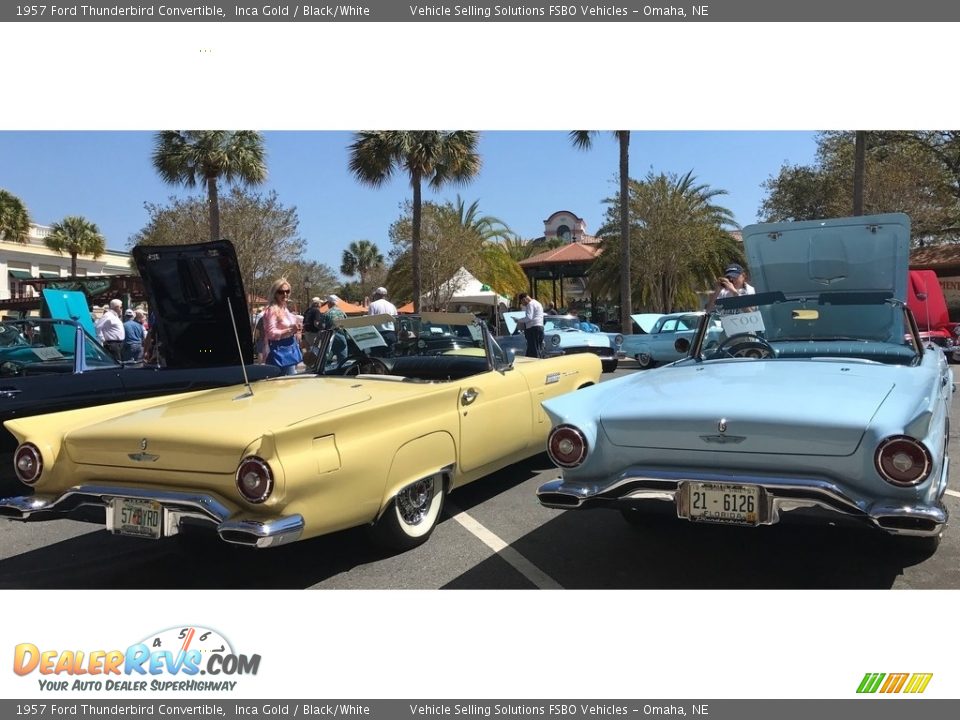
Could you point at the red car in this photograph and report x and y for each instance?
(925, 298)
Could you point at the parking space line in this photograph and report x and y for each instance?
(531, 572)
(953, 493)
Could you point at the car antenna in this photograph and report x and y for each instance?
(243, 365)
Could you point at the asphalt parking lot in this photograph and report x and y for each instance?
(495, 535)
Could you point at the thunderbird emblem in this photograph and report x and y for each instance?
(143, 456)
(722, 438)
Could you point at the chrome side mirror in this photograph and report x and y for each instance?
(509, 355)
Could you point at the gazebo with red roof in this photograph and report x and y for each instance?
(572, 260)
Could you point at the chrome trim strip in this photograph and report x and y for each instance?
(176, 505)
(255, 533)
(781, 495)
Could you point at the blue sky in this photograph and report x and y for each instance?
(526, 175)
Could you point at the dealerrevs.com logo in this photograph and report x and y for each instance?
(894, 682)
(179, 659)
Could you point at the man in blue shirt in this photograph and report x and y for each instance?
(133, 335)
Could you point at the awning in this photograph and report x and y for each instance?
(21, 274)
(49, 274)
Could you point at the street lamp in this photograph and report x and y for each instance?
(306, 290)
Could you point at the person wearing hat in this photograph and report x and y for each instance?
(382, 306)
(312, 323)
(733, 282)
(132, 335)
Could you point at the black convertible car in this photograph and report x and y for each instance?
(48, 365)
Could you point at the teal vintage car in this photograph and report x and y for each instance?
(658, 345)
(818, 400)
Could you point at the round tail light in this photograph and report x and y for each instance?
(554, 339)
(567, 446)
(28, 463)
(903, 461)
(254, 479)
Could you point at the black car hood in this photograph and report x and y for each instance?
(192, 290)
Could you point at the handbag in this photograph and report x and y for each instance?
(285, 352)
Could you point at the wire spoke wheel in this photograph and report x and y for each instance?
(411, 515)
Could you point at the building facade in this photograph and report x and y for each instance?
(21, 263)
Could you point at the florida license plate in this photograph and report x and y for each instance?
(723, 503)
(137, 518)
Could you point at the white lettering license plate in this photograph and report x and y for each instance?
(722, 503)
(137, 518)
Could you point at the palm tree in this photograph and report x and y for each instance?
(582, 139)
(14, 219)
(190, 156)
(424, 155)
(486, 227)
(498, 267)
(678, 235)
(77, 236)
(359, 258)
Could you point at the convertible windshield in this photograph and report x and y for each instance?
(429, 346)
(560, 323)
(867, 326)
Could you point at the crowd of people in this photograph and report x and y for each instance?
(122, 332)
(282, 337)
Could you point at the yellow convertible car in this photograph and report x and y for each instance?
(375, 434)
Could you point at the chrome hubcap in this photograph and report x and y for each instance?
(414, 501)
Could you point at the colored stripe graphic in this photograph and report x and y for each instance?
(918, 682)
(870, 682)
(894, 682)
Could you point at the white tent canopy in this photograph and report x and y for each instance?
(464, 289)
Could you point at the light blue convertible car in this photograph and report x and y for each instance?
(819, 401)
(658, 345)
(565, 335)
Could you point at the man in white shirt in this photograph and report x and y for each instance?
(110, 329)
(532, 325)
(382, 306)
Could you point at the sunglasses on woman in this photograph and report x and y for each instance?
(283, 292)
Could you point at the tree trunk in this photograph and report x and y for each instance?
(73, 264)
(214, 200)
(415, 241)
(626, 304)
(859, 160)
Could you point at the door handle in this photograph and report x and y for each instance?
(469, 395)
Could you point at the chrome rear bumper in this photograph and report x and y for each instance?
(778, 496)
(194, 508)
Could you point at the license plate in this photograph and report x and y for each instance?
(722, 503)
(137, 518)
